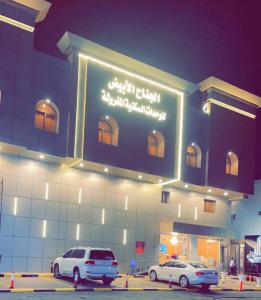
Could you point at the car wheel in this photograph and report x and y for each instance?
(153, 276)
(205, 286)
(183, 281)
(56, 272)
(107, 281)
(75, 270)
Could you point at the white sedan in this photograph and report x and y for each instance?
(184, 273)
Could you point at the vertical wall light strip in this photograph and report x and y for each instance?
(80, 108)
(78, 232)
(44, 229)
(196, 213)
(15, 206)
(179, 210)
(46, 191)
(124, 237)
(80, 196)
(103, 216)
(126, 202)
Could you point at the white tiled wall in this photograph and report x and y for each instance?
(21, 243)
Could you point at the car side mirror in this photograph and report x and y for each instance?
(160, 265)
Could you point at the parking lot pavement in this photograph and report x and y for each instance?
(133, 283)
(132, 296)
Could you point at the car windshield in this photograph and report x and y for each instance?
(198, 265)
(102, 255)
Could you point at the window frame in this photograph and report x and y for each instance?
(55, 116)
(207, 206)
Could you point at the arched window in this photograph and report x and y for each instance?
(193, 156)
(156, 144)
(46, 116)
(232, 164)
(108, 131)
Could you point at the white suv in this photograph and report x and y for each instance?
(90, 263)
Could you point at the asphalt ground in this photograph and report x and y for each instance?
(133, 296)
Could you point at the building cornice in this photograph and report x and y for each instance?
(213, 82)
(70, 41)
(41, 6)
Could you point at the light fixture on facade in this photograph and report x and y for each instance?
(42, 156)
(124, 237)
(106, 170)
(81, 165)
(126, 202)
(80, 196)
(46, 191)
(225, 193)
(103, 216)
(196, 214)
(15, 206)
(229, 153)
(193, 144)
(16, 23)
(186, 186)
(44, 229)
(160, 180)
(174, 240)
(154, 131)
(209, 191)
(48, 101)
(107, 117)
(140, 176)
(78, 232)
(179, 210)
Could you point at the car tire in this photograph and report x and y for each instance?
(79, 277)
(183, 281)
(56, 271)
(205, 286)
(107, 281)
(153, 276)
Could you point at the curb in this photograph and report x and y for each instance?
(20, 275)
(28, 290)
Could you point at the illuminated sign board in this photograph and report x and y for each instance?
(139, 105)
(133, 98)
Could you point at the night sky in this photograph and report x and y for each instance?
(192, 39)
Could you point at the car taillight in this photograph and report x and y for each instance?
(115, 263)
(199, 273)
(90, 262)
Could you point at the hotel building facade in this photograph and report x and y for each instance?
(103, 150)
